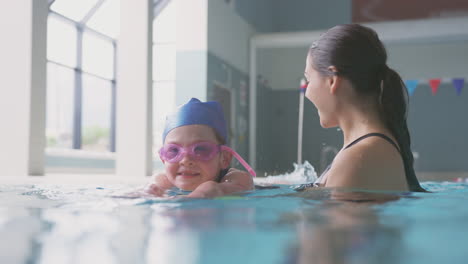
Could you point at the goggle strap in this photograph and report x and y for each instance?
(240, 159)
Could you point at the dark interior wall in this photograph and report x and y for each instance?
(265, 118)
(217, 72)
(439, 128)
(438, 123)
(277, 132)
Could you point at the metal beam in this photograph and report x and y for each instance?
(112, 144)
(88, 29)
(159, 6)
(78, 92)
(92, 11)
(409, 31)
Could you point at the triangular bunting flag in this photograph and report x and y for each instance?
(434, 83)
(458, 84)
(411, 86)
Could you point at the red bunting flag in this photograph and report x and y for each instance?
(434, 83)
(303, 85)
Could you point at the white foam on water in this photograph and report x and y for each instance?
(303, 173)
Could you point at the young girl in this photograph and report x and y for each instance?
(352, 87)
(195, 156)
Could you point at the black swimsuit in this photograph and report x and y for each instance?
(317, 182)
(374, 134)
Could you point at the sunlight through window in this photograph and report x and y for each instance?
(107, 19)
(98, 56)
(59, 116)
(61, 41)
(96, 113)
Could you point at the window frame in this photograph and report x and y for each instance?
(78, 70)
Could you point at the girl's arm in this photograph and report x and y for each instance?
(234, 181)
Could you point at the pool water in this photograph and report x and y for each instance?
(46, 223)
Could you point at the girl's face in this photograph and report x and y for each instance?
(319, 93)
(189, 173)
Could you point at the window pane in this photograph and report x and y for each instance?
(59, 116)
(61, 41)
(107, 19)
(164, 25)
(163, 104)
(164, 62)
(96, 116)
(98, 56)
(74, 9)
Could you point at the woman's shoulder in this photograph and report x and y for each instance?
(369, 164)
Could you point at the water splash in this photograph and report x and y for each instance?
(303, 173)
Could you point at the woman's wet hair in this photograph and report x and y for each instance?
(359, 56)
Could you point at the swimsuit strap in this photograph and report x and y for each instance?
(371, 135)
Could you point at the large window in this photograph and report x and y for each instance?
(61, 41)
(81, 73)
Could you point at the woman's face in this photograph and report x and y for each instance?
(319, 93)
(188, 173)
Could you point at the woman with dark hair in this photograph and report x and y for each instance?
(352, 87)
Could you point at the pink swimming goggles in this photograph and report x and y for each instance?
(202, 151)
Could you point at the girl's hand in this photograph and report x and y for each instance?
(154, 189)
(207, 189)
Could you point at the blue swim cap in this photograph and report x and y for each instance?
(196, 112)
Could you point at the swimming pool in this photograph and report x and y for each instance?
(84, 223)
